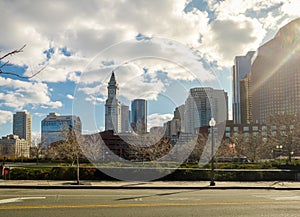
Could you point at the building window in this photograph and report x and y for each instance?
(255, 128)
(264, 128)
(273, 128)
(245, 129)
(235, 129)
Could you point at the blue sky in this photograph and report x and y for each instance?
(158, 49)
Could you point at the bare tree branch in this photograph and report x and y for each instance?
(7, 62)
(13, 52)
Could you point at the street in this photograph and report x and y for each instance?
(96, 202)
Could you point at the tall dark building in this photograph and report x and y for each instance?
(246, 100)
(139, 116)
(275, 81)
(241, 69)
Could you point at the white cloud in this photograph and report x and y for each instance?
(5, 116)
(69, 96)
(156, 120)
(18, 94)
(132, 80)
(291, 7)
(107, 23)
(231, 37)
(94, 99)
(159, 119)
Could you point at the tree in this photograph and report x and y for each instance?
(226, 151)
(68, 149)
(93, 147)
(37, 148)
(284, 131)
(4, 64)
(141, 150)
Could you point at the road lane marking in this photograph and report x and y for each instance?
(287, 198)
(85, 206)
(19, 199)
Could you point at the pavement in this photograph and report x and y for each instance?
(50, 184)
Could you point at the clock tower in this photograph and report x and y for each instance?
(113, 106)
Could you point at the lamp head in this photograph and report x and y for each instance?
(212, 122)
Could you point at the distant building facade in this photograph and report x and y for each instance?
(202, 104)
(54, 127)
(22, 125)
(246, 100)
(125, 118)
(139, 116)
(12, 147)
(275, 82)
(113, 106)
(241, 68)
(174, 126)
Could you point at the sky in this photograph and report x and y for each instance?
(158, 50)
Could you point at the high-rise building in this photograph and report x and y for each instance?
(174, 126)
(201, 105)
(241, 68)
(139, 116)
(113, 106)
(246, 100)
(22, 125)
(55, 127)
(125, 113)
(275, 79)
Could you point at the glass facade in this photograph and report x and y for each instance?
(139, 116)
(54, 127)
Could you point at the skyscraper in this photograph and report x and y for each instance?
(202, 104)
(139, 116)
(22, 125)
(275, 81)
(54, 127)
(125, 118)
(241, 68)
(113, 106)
(246, 99)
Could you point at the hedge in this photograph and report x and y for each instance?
(69, 173)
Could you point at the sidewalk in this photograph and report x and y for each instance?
(50, 184)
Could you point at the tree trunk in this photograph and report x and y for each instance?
(78, 166)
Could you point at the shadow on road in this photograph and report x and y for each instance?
(153, 195)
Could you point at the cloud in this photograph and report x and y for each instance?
(18, 94)
(106, 23)
(156, 120)
(133, 83)
(69, 96)
(5, 116)
(231, 37)
(291, 7)
(139, 65)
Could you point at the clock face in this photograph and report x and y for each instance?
(111, 91)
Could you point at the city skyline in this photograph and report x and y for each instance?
(224, 32)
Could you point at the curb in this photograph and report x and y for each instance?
(147, 187)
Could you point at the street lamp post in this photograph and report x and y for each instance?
(212, 123)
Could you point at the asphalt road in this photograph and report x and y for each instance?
(158, 203)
